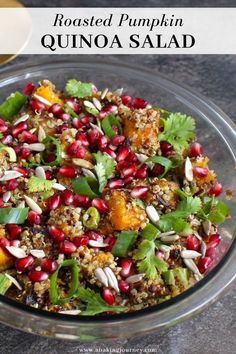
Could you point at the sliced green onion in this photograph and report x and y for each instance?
(85, 186)
(124, 243)
(5, 284)
(52, 145)
(91, 218)
(12, 105)
(150, 232)
(163, 161)
(13, 215)
(92, 111)
(107, 124)
(67, 109)
(69, 263)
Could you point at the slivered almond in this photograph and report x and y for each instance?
(33, 205)
(104, 92)
(192, 266)
(41, 134)
(10, 174)
(16, 251)
(21, 119)
(152, 213)
(14, 281)
(83, 163)
(38, 253)
(40, 172)
(38, 147)
(189, 254)
(41, 99)
(58, 187)
(135, 278)
(101, 276)
(88, 173)
(112, 281)
(6, 196)
(99, 244)
(188, 169)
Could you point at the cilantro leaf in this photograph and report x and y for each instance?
(178, 130)
(163, 161)
(148, 262)
(95, 304)
(78, 89)
(36, 184)
(104, 168)
(214, 210)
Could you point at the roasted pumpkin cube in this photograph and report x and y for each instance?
(209, 178)
(6, 260)
(48, 94)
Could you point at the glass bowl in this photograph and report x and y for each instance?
(215, 131)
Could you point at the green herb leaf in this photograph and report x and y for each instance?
(163, 161)
(107, 124)
(124, 243)
(78, 89)
(214, 210)
(13, 215)
(86, 186)
(5, 284)
(95, 304)
(12, 105)
(36, 184)
(178, 130)
(182, 227)
(150, 232)
(140, 203)
(148, 262)
(104, 168)
(67, 109)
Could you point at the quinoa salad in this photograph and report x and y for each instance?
(108, 204)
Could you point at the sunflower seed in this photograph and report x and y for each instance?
(70, 312)
(189, 254)
(10, 174)
(33, 205)
(38, 253)
(83, 163)
(188, 170)
(192, 266)
(41, 99)
(97, 103)
(35, 147)
(99, 244)
(203, 248)
(58, 187)
(40, 172)
(103, 94)
(135, 278)
(164, 248)
(170, 239)
(41, 134)
(152, 214)
(118, 92)
(16, 251)
(89, 104)
(6, 196)
(21, 119)
(88, 173)
(112, 281)
(94, 126)
(167, 233)
(14, 281)
(197, 235)
(141, 157)
(207, 227)
(21, 204)
(101, 276)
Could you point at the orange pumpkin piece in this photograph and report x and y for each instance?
(203, 162)
(6, 260)
(48, 94)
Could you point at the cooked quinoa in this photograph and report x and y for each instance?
(107, 204)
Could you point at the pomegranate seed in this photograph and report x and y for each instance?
(3, 129)
(14, 230)
(4, 242)
(102, 142)
(76, 122)
(49, 175)
(81, 240)
(37, 276)
(34, 218)
(116, 183)
(56, 109)
(36, 105)
(25, 153)
(115, 128)
(67, 171)
(203, 264)
(214, 240)
(139, 103)
(1, 203)
(195, 150)
(67, 247)
(93, 235)
(121, 165)
(24, 263)
(211, 252)
(28, 89)
(216, 189)
(165, 147)
(15, 243)
(11, 185)
(81, 201)
(64, 116)
(6, 140)
(126, 99)
(128, 180)
(76, 150)
(123, 152)
(131, 157)
(19, 128)
(108, 296)
(67, 197)
(100, 204)
(74, 105)
(160, 254)
(56, 233)
(53, 202)
(109, 152)
(192, 243)
(110, 108)
(157, 170)
(126, 266)
(117, 140)
(49, 265)
(61, 128)
(82, 138)
(28, 137)
(110, 240)
(142, 172)
(200, 171)
(123, 286)
(139, 192)
(21, 170)
(93, 136)
(86, 120)
(128, 171)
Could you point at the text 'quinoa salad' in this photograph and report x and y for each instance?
(107, 204)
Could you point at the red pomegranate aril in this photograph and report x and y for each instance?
(33, 218)
(25, 153)
(56, 233)
(123, 152)
(19, 128)
(107, 296)
(216, 189)
(37, 276)
(110, 108)
(139, 103)
(109, 152)
(11, 185)
(81, 201)
(15, 243)
(24, 263)
(123, 286)
(49, 175)
(1, 203)
(82, 138)
(142, 172)
(121, 165)
(128, 180)
(100, 204)
(14, 231)
(214, 240)
(157, 170)
(126, 99)
(64, 116)
(36, 105)
(211, 252)
(4, 242)
(76, 150)
(53, 202)
(195, 150)
(67, 197)
(110, 240)
(131, 157)
(139, 192)
(81, 240)
(27, 137)
(126, 266)
(76, 122)
(56, 109)
(203, 264)
(74, 105)
(86, 120)
(61, 128)
(3, 129)
(21, 170)
(165, 147)
(128, 171)
(7, 140)
(102, 142)
(28, 89)
(116, 183)
(192, 243)
(67, 247)
(115, 128)
(117, 140)
(49, 265)
(93, 136)
(200, 171)
(67, 171)
(93, 235)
